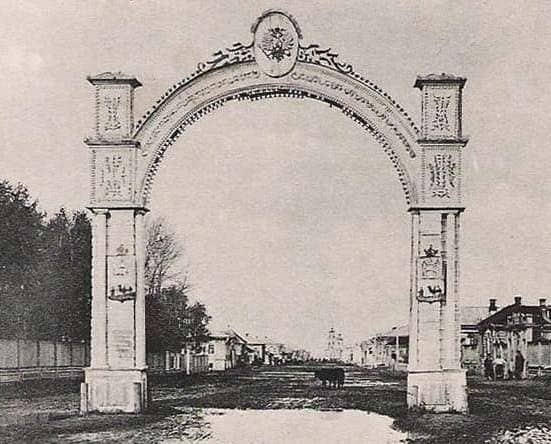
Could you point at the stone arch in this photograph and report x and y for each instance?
(125, 159)
(209, 89)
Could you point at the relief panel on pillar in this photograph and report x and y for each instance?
(431, 270)
(121, 259)
(441, 181)
(442, 112)
(122, 276)
(121, 284)
(431, 267)
(121, 288)
(113, 112)
(113, 176)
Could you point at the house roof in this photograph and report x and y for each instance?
(256, 340)
(227, 334)
(402, 330)
(469, 315)
(540, 314)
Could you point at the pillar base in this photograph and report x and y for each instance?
(114, 391)
(438, 390)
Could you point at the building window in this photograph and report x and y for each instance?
(211, 349)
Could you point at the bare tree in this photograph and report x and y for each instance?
(162, 254)
(171, 319)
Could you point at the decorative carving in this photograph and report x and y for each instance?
(194, 97)
(237, 53)
(431, 267)
(277, 43)
(442, 175)
(432, 276)
(383, 113)
(434, 293)
(276, 50)
(122, 293)
(113, 176)
(266, 92)
(430, 252)
(440, 120)
(323, 57)
(121, 276)
(112, 105)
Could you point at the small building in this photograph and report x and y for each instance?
(470, 336)
(277, 352)
(367, 348)
(259, 353)
(354, 354)
(390, 348)
(518, 330)
(226, 349)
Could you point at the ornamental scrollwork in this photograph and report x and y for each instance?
(442, 175)
(112, 105)
(237, 53)
(440, 120)
(323, 57)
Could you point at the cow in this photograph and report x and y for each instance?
(331, 377)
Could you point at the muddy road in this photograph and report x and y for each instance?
(287, 405)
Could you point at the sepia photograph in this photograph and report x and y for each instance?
(275, 222)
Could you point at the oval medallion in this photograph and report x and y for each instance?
(276, 44)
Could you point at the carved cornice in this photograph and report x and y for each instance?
(461, 142)
(443, 209)
(439, 79)
(123, 143)
(114, 78)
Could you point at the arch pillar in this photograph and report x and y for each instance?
(116, 380)
(436, 381)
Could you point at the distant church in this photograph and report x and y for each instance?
(334, 346)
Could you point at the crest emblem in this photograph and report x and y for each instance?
(276, 39)
(277, 43)
(432, 276)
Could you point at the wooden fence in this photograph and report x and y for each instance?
(16, 354)
(189, 363)
(22, 360)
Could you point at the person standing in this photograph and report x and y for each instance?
(489, 368)
(519, 365)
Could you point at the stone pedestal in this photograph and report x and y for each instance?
(114, 391)
(438, 390)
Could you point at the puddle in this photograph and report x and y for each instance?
(291, 426)
(223, 426)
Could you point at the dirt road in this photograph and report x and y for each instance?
(501, 412)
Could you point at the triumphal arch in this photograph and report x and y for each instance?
(125, 155)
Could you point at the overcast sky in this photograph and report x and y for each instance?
(292, 217)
